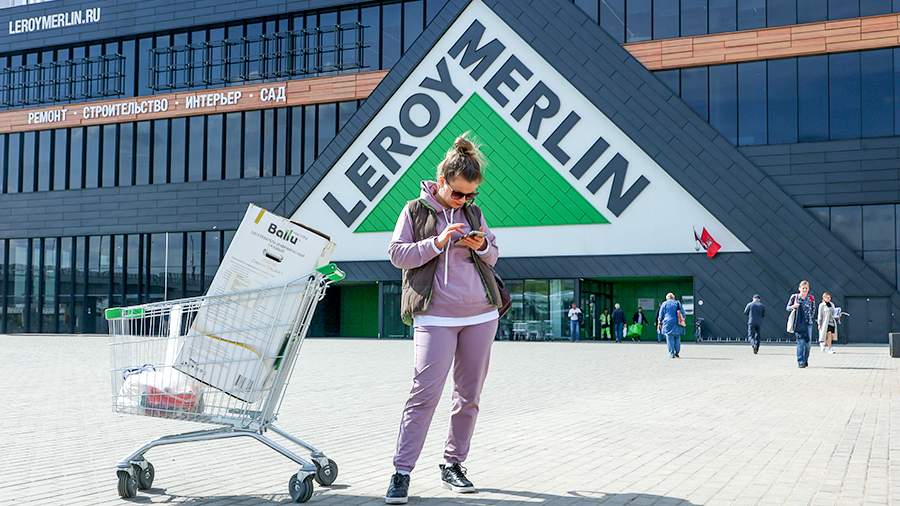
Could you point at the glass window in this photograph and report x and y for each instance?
(45, 153)
(92, 155)
(212, 256)
(878, 227)
(60, 158)
(214, 142)
(589, 7)
(216, 56)
(345, 112)
(156, 288)
(160, 150)
(16, 285)
(752, 14)
(612, 18)
(812, 78)
(562, 294)
(281, 129)
(143, 148)
(842, 9)
(434, 6)
(351, 15)
(49, 311)
(723, 112)
(98, 284)
(196, 150)
(254, 51)
(178, 134)
(128, 67)
(268, 143)
(665, 19)
(110, 149)
(779, 12)
(118, 271)
(144, 63)
(311, 22)
(327, 125)
(229, 235)
(821, 214)
(29, 156)
(695, 90)
(34, 304)
(3, 141)
(193, 266)
(13, 163)
(693, 17)
(846, 223)
(126, 154)
(76, 158)
(752, 103)
(309, 136)
(233, 145)
(66, 288)
(175, 266)
(536, 301)
(639, 19)
(197, 58)
(722, 16)
(896, 91)
(413, 22)
(782, 101)
(844, 103)
(134, 262)
(371, 20)
(877, 98)
(252, 142)
(811, 10)
(297, 140)
(390, 35)
(874, 7)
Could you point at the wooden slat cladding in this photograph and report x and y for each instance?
(315, 90)
(766, 43)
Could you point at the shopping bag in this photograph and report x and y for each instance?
(635, 329)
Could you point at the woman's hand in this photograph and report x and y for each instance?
(795, 306)
(445, 236)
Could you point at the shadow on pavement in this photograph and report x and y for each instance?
(487, 496)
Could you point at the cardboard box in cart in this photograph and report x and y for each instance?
(234, 344)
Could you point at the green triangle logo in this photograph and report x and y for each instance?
(516, 176)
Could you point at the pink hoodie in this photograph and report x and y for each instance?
(457, 290)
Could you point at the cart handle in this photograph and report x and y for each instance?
(115, 313)
(332, 272)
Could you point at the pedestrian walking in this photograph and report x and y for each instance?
(605, 320)
(756, 312)
(618, 321)
(638, 318)
(574, 323)
(826, 321)
(450, 296)
(801, 320)
(670, 323)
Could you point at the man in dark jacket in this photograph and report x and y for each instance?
(618, 322)
(755, 312)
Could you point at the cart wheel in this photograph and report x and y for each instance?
(325, 475)
(301, 491)
(145, 476)
(127, 485)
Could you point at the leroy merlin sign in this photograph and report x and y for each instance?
(561, 179)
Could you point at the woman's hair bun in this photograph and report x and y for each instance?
(464, 146)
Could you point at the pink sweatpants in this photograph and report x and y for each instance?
(468, 349)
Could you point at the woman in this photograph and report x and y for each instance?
(669, 322)
(827, 324)
(640, 318)
(450, 296)
(800, 322)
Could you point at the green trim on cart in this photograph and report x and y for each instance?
(331, 272)
(115, 313)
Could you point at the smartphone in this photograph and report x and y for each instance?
(475, 233)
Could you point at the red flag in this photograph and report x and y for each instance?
(705, 239)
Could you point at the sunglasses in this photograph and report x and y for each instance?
(455, 195)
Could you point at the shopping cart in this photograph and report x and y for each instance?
(217, 359)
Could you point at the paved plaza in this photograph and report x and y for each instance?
(561, 424)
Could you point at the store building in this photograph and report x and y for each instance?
(134, 134)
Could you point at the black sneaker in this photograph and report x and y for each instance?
(454, 478)
(398, 490)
